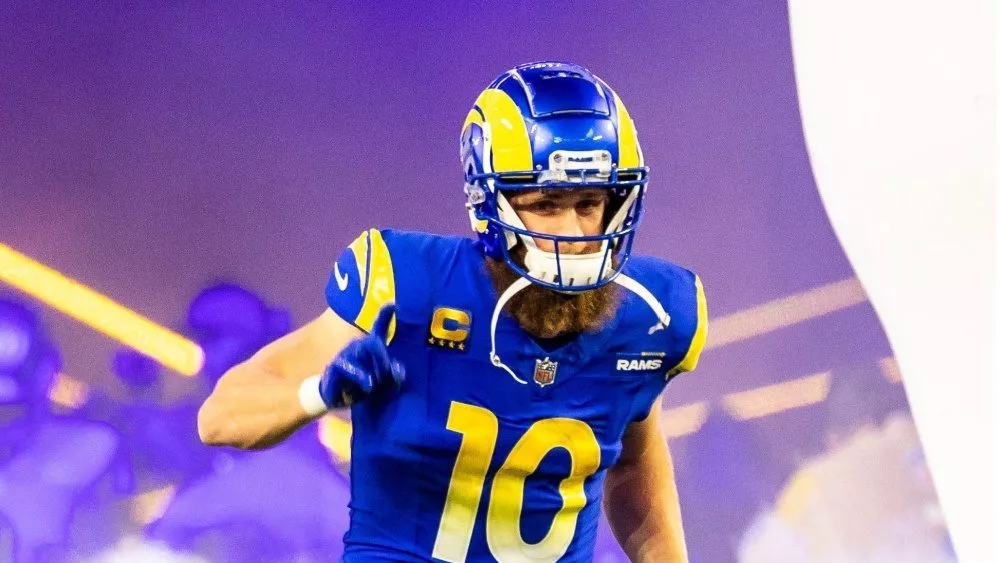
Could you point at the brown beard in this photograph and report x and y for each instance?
(544, 313)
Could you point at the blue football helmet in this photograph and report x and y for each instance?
(552, 125)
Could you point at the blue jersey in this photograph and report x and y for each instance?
(496, 456)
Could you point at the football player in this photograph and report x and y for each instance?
(499, 387)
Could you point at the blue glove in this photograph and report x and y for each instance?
(363, 367)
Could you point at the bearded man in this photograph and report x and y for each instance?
(500, 387)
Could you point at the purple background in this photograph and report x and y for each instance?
(147, 151)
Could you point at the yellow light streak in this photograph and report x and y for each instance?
(779, 397)
(784, 312)
(99, 312)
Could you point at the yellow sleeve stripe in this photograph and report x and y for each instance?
(381, 288)
(360, 249)
(690, 360)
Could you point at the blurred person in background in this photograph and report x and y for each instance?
(60, 475)
(869, 498)
(229, 323)
(160, 438)
(286, 504)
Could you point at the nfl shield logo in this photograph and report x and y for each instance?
(545, 372)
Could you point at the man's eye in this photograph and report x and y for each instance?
(589, 204)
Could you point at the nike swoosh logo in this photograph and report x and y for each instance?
(341, 279)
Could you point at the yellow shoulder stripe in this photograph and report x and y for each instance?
(381, 288)
(360, 249)
(690, 360)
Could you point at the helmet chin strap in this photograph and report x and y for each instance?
(518, 285)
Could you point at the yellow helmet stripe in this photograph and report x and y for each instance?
(473, 117)
(509, 139)
(629, 153)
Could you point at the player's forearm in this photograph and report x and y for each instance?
(251, 408)
(641, 503)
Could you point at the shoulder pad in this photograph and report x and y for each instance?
(363, 281)
(681, 294)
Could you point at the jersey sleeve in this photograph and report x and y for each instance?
(689, 323)
(680, 293)
(363, 281)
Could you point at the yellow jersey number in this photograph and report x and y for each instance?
(478, 427)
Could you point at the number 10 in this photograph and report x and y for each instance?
(479, 428)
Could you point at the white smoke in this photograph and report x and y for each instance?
(131, 550)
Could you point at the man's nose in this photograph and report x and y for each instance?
(571, 225)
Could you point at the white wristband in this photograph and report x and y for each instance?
(309, 397)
